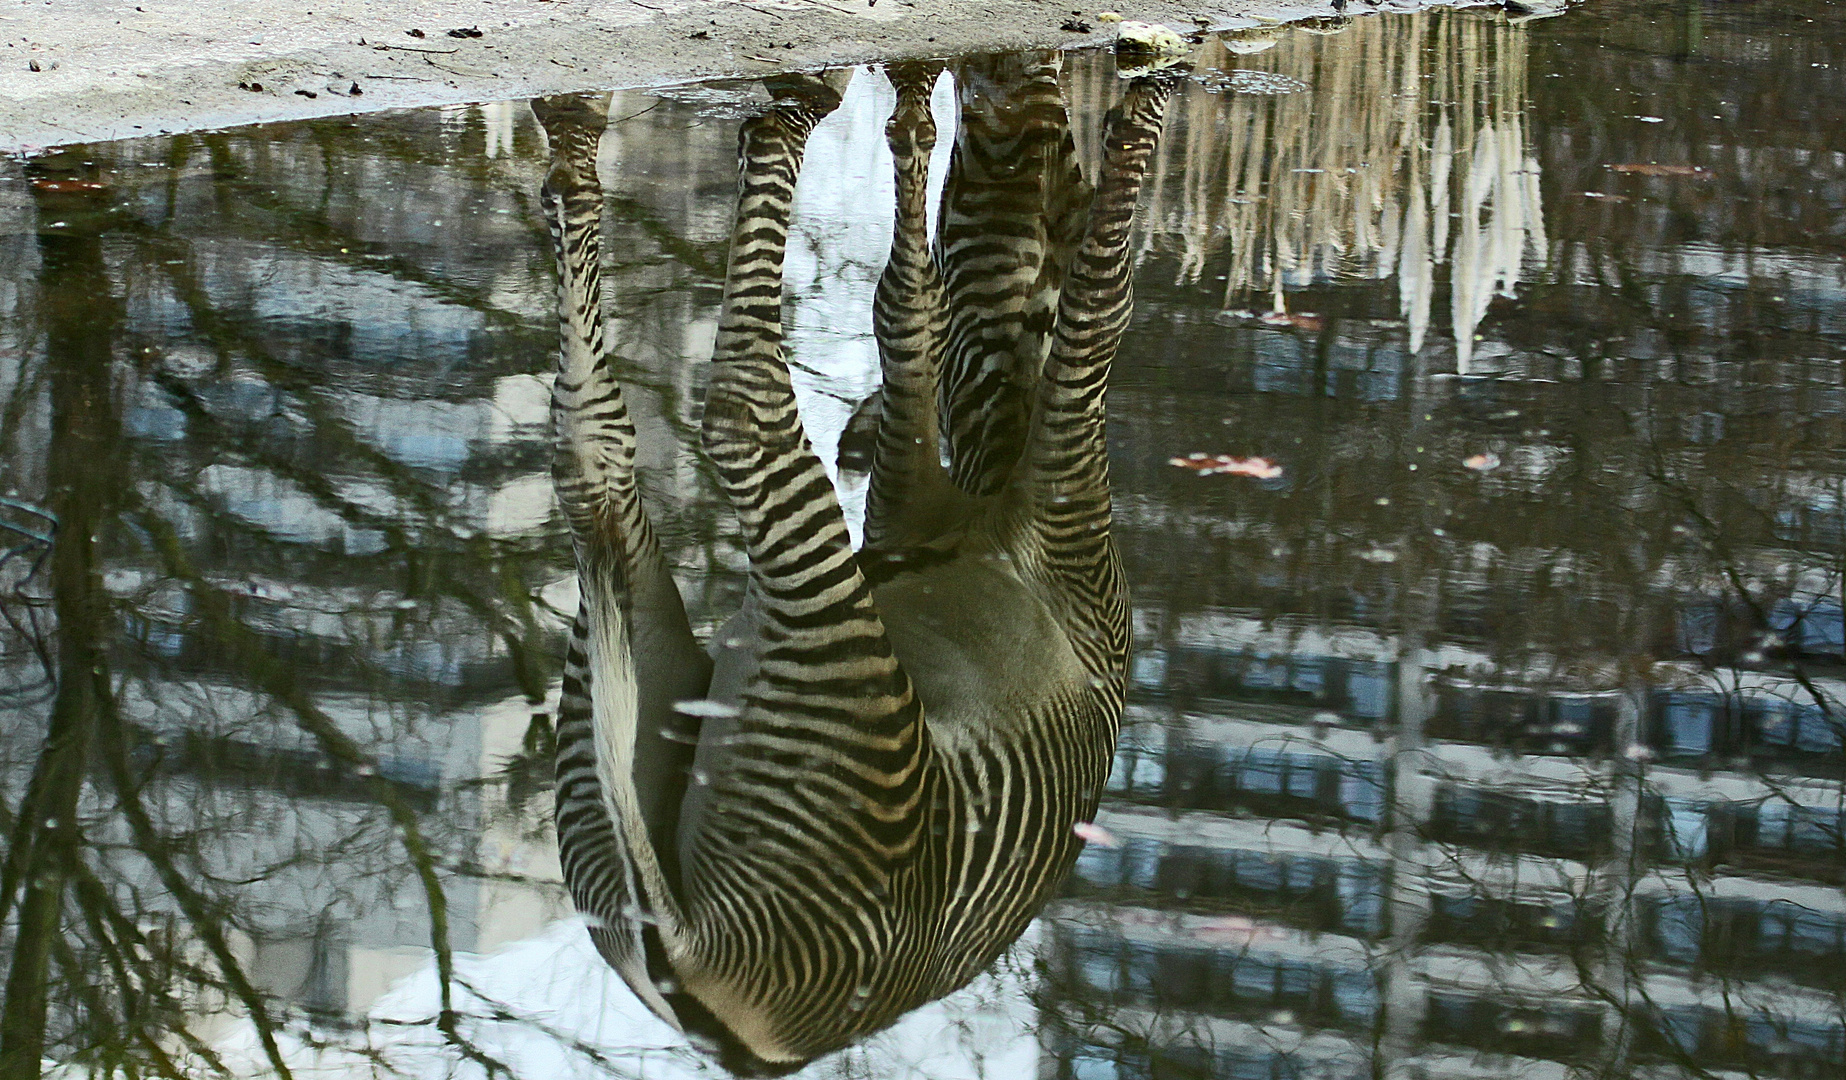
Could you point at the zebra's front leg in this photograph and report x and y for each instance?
(825, 768)
(911, 500)
(622, 766)
(802, 570)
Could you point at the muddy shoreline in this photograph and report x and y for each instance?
(122, 69)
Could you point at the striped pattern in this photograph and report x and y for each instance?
(1012, 213)
(913, 729)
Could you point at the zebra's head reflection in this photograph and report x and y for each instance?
(875, 789)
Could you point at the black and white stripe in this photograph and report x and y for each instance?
(916, 726)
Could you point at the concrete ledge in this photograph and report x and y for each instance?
(75, 71)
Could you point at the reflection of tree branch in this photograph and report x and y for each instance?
(81, 321)
(198, 909)
(277, 680)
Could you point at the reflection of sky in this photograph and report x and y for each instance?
(839, 238)
(1263, 764)
(563, 999)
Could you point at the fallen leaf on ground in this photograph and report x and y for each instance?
(1225, 464)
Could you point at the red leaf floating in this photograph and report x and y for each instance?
(62, 186)
(1301, 320)
(1648, 168)
(1225, 464)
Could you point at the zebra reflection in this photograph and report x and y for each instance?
(861, 792)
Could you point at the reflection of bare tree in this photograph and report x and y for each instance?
(1396, 148)
(202, 737)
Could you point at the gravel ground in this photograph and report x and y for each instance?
(87, 70)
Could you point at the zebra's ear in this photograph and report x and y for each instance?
(622, 948)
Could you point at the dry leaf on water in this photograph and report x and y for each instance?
(1226, 465)
(1648, 168)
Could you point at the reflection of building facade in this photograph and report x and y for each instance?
(338, 409)
(1422, 777)
(1529, 768)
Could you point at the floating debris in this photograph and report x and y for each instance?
(1233, 928)
(1300, 320)
(1248, 81)
(1226, 465)
(1481, 462)
(1648, 168)
(56, 186)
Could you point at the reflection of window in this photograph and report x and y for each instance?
(1100, 866)
(1137, 770)
(1805, 829)
(1816, 732)
(1143, 967)
(1355, 997)
(1558, 1029)
(1253, 979)
(1679, 1029)
(1183, 1063)
(1246, 1063)
(1262, 772)
(1686, 825)
(1698, 628)
(1141, 862)
(1309, 675)
(1362, 793)
(1687, 723)
(1265, 673)
(1679, 922)
(1368, 688)
(1257, 871)
(1150, 670)
(1097, 969)
(1816, 629)
(1499, 819)
(1361, 891)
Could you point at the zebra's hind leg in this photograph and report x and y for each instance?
(622, 768)
(911, 501)
(1062, 489)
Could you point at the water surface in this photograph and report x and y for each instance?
(1497, 733)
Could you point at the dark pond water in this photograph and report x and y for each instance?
(1488, 726)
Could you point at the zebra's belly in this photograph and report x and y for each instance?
(982, 648)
